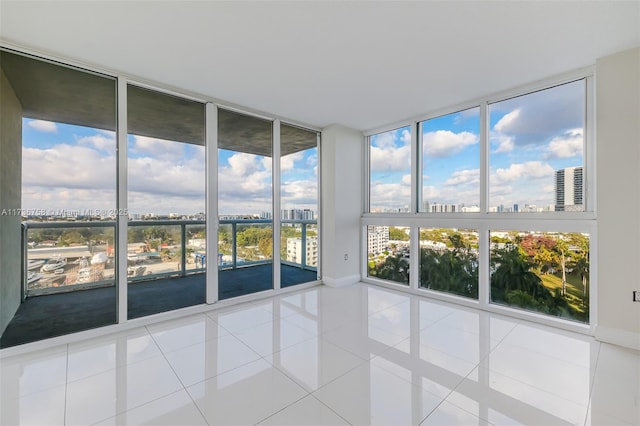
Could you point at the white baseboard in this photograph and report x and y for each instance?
(342, 281)
(615, 336)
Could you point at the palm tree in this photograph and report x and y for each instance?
(562, 249)
(512, 271)
(582, 266)
(452, 271)
(394, 268)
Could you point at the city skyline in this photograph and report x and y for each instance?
(530, 137)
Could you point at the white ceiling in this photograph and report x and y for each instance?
(360, 64)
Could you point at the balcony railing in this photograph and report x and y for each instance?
(68, 256)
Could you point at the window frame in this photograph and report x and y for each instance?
(367, 166)
(420, 154)
(484, 221)
(211, 105)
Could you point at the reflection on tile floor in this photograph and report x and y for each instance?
(324, 356)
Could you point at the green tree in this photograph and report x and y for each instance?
(582, 267)
(155, 232)
(454, 270)
(135, 234)
(397, 234)
(456, 240)
(543, 259)
(437, 235)
(71, 237)
(512, 271)
(265, 245)
(393, 268)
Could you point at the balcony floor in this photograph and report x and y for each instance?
(42, 317)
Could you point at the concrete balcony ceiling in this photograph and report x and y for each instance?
(58, 93)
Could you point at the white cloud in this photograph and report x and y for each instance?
(568, 145)
(464, 177)
(288, 162)
(244, 185)
(68, 166)
(462, 187)
(312, 160)
(538, 117)
(300, 194)
(144, 202)
(157, 148)
(45, 197)
(430, 192)
(68, 177)
(406, 179)
(444, 143)
(497, 192)
(43, 126)
(519, 171)
(81, 177)
(384, 140)
(242, 164)
(163, 177)
(406, 137)
(504, 142)
(390, 158)
(84, 176)
(390, 195)
(267, 163)
(509, 122)
(391, 152)
(101, 141)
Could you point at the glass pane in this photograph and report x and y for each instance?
(299, 201)
(153, 251)
(244, 204)
(196, 246)
(449, 261)
(451, 163)
(69, 257)
(390, 171)
(537, 151)
(58, 131)
(166, 196)
(546, 272)
(388, 251)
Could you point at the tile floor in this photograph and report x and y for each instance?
(323, 356)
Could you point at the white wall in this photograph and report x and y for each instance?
(342, 173)
(10, 198)
(618, 192)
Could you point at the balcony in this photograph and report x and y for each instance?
(69, 269)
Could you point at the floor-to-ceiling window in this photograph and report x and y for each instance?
(245, 204)
(299, 237)
(62, 138)
(166, 202)
(105, 201)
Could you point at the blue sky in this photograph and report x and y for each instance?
(73, 167)
(530, 137)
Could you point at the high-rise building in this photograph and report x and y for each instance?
(569, 189)
(297, 214)
(294, 250)
(378, 238)
(443, 208)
